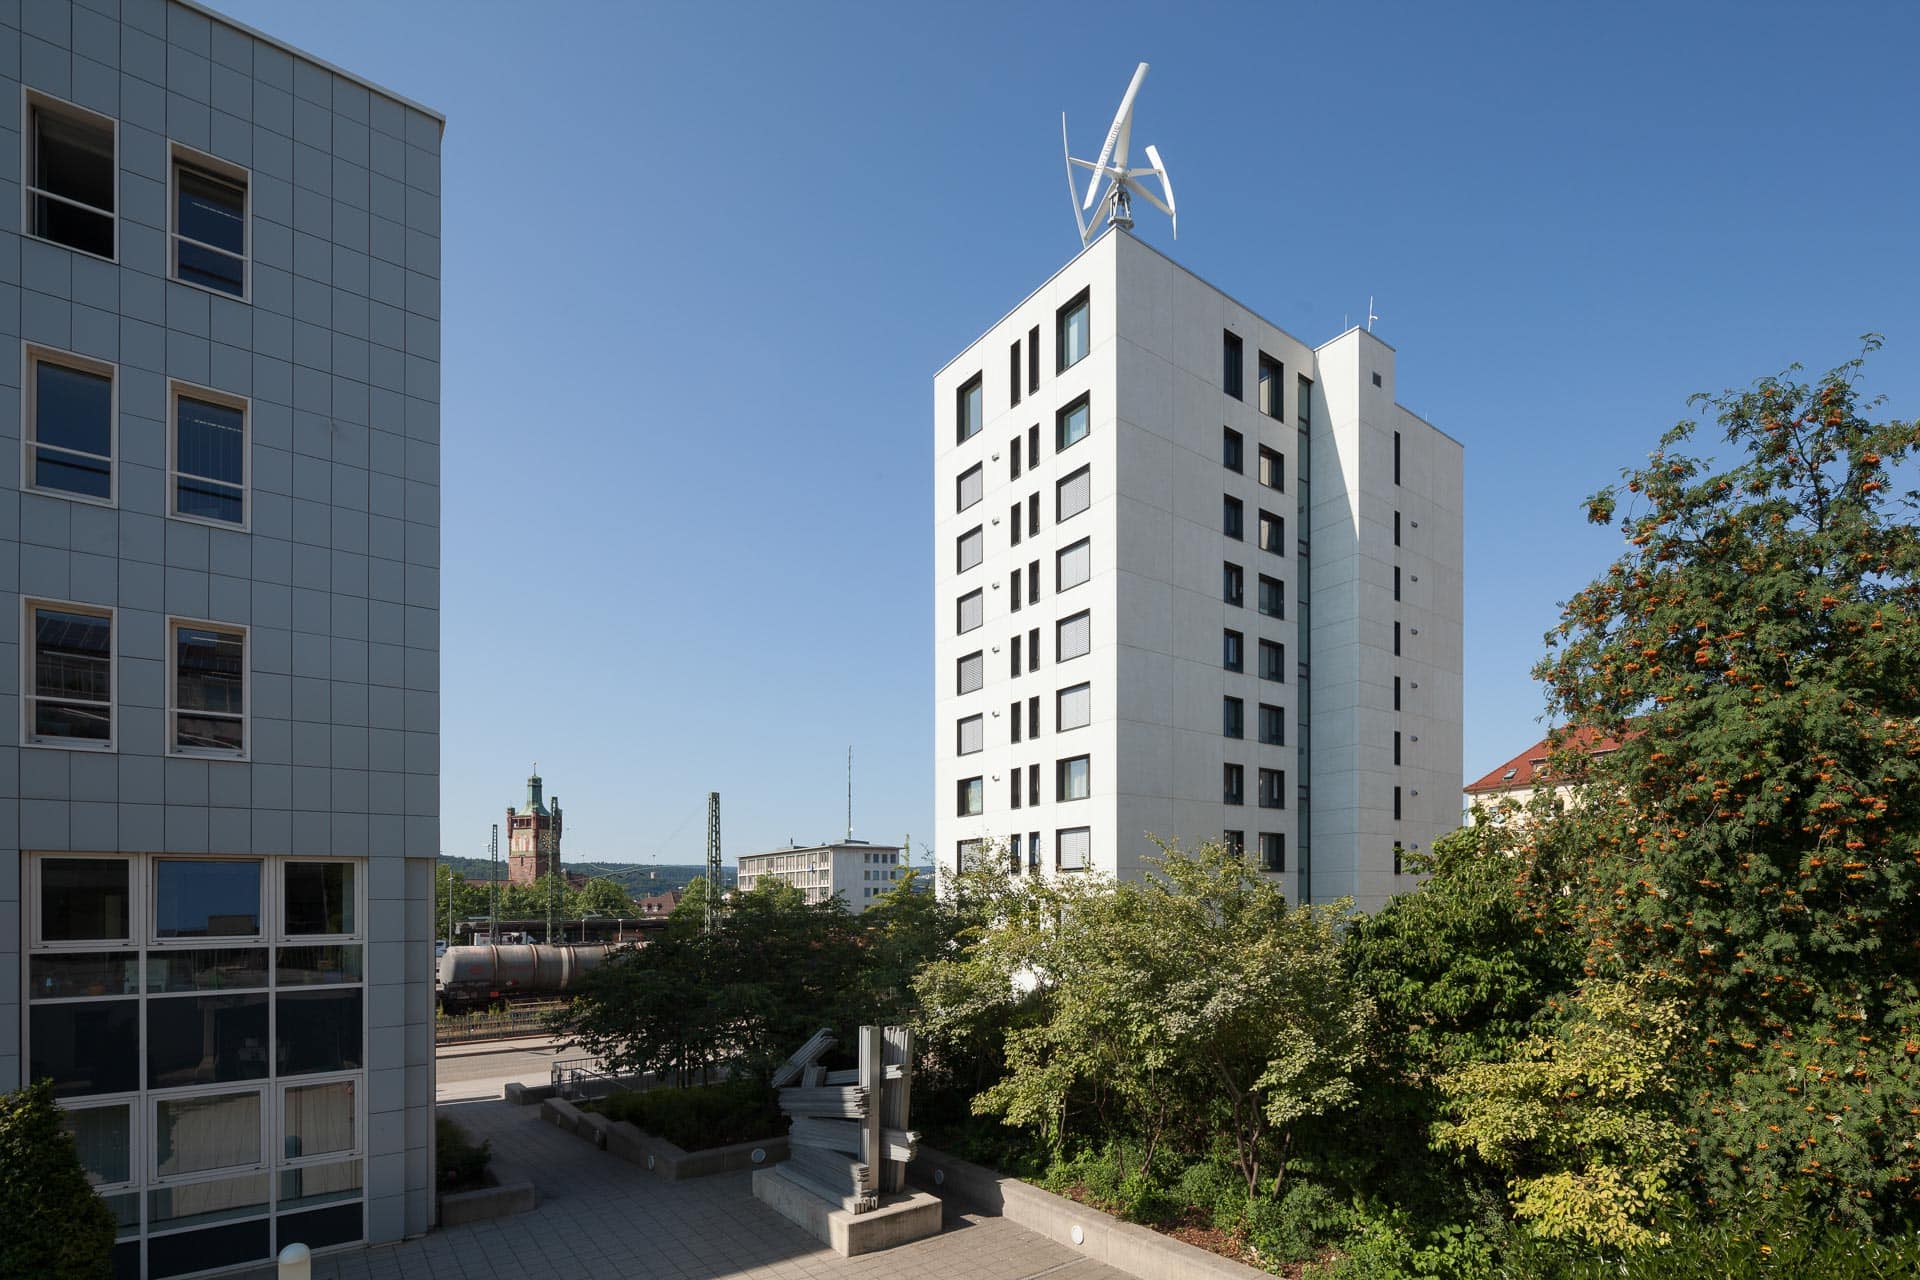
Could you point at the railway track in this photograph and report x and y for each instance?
(528, 1018)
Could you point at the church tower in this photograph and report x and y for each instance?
(533, 836)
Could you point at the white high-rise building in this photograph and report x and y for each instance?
(1194, 579)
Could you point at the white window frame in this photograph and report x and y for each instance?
(30, 99)
(36, 933)
(269, 906)
(174, 623)
(232, 1088)
(29, 691)
(177, 391)
(34, 354)
(282, 1084)
(225, 170)
(136, 1148)
(287, 938)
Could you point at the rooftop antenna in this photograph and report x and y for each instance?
(1370, 316)
(1122, 183)
(849, 793)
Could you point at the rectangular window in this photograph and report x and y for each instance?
(1033, 359)
(1073, 495)
(1396, 528)
(318, 899)
(1396, 582)
(207, 898)
(1033, 851)
(1033, 650)
(1396, 693)
(1070, 780)
(968, 488)
(1072, 848)
(1013, 719)
(1233, 651)
(1303, 403)
(1033, 780)
(1273, 851)
(1396, 746)
(1013, 375)
(968, 549)
(1273, 660)
(969, 798)
(71, 425)
(967, 410)
(1013, 455)
(1074, 637)
(971, 605)
(1273, 469)
(1233, 359)
(1013, 791)
(1073, 565)
(969, 732)
(209, 224)
(1016, 525)
(1396, 457)
(1273, 397)
(1070, 424)
(1014, 596)
(208, 703)
(1396, 804)
(1033, 445)
(1273, 597)
(1033, 590)
(1233, 718)
(1013, 665)
(1233, 784)
(85, 900)
(1033, 515)
(1233, 585)
(69, 670)
(967, 673)
(1073, 708)
(208, 456)
(1233, 451)
(1273, 533)
(1396, 639)
(72, 173)
(1273, 788)
(1233, 517)
(1071, 334)
(1273, 725)
(1235, 842)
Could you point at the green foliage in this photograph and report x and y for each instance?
(1754, 844)
(1298, 1226)
(693, 1119)
(52, 1225)
(1391, 1249)
(460, 1163)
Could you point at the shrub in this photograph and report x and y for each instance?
(1298, 1225)
(460, 1165)
(694, 1119)
(52, 1225)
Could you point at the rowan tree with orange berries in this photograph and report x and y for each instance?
(1753, 846)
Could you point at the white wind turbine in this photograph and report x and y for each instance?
(1122, 183)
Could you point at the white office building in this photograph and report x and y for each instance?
(220, 538)
(859, 874)
(1195, 579)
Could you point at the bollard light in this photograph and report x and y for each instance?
(296, 1263)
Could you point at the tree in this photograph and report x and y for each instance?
(601, 896)
(469, 900)
(52, 1224)
(1754, 844)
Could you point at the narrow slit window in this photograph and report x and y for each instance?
(1072, 334)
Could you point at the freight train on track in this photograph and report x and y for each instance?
(477, 977)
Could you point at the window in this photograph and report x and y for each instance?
(1233, 718)
(1376, 378)
(1396, 746)
(1073, 708)
(1013, 664)
(1396, 804)
(1013, 791)
(1017, 526)
(1233, 450)
(1273, 398)
(1396, 693)
(85, 900)
(1013, 719)
(1033, 595)
(1033, 359)
(968, 673)
(1033, 515)
(970, 608)
(69, 676)
(72, 174)
(1234, 361)
(1273, 469)
(1014, 597)
(969, 797)
(318, 898)
(1273, 533)
(1273, 597)
(1233, 585)
(1033, 651)
(968, 548)
(1273, 788)
(1303, 405)
(1072, 848)
(1233, 650)
(209, 224)
(1073, 565)
(1033, 851)
(1073, 637)
(208, 456)
(1073, 495)
(1396, 582)
(208, 705)
(967, 489)
(1013, 455)
(1033, 781)
(1070, 778)
(1070, 424)
(1396, 639)
(1273, 660)
(1396, 455)
(1273, 725)
(71, 425)
(1396, 528)
(1013, 375)
(967, 407)
(1398, 852)
(969, 732)
(1233, 784)
(1273, 851)
(1070, 332)
(1233, 517)
(1235, 842)
(1033, 445)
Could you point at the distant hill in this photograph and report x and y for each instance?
(637, 878)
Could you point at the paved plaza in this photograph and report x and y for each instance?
(602, 1217)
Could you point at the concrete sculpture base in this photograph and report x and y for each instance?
(906, 1216)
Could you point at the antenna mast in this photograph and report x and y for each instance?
(849, 793)
(713, 860)
(493, 888)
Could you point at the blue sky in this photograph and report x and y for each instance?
(703, 260)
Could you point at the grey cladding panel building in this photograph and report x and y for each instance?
(219, 525)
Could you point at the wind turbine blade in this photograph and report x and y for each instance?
(1073, 194)
(1088, 164)
(1152, 199)
(1166, 186)
(1122, 126)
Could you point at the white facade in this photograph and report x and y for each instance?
(859, 874)
(1343, 726)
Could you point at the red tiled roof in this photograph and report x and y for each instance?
(1529, 767)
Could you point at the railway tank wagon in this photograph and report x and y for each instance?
(474, 977)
